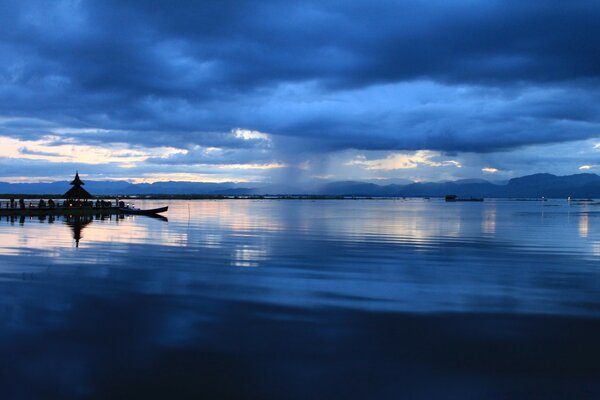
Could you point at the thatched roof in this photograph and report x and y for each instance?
(77, 192)
(77, 181)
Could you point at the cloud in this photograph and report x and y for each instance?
(28, 152)
(403, 161)
(250, 135)
(87, 154)
(270, 83)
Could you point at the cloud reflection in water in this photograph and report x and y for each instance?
(358, 297)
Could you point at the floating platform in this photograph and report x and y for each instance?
(76, 204)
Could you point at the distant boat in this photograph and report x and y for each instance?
(453, 197)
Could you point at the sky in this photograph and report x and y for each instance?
(279, 91)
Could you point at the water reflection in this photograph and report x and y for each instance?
(584, 225)
(77, 223)
(488, 225)
(364, 299)
(34, 235)
(248, 255)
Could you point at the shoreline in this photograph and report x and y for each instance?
(5, 197)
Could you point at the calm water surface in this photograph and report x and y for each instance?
(415, 299)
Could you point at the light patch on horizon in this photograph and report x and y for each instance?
(36, 179)
(45, 150)
(489, 170)
(403, 161)
(187, 177)
(324, 177)
(586, 167)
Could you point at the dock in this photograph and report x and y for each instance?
(77, 203)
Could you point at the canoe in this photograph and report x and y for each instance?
(77, 211)
(139, 211)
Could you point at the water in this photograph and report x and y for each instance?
(258, 299)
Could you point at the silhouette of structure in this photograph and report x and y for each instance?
(77, 192)
(77, 202)
(77, 223)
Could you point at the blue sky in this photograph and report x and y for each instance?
(273, 91)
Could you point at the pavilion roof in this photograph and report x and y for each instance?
(77, 181)
(77, 192)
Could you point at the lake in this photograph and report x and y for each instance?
(297, 299)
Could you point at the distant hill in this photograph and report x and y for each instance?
(533, 186)
(120, 188)
(548, 185)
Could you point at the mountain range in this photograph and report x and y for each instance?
(531, 186)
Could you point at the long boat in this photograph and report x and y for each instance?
(77, 211)
(153, 211)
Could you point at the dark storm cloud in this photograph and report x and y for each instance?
(317, 75)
